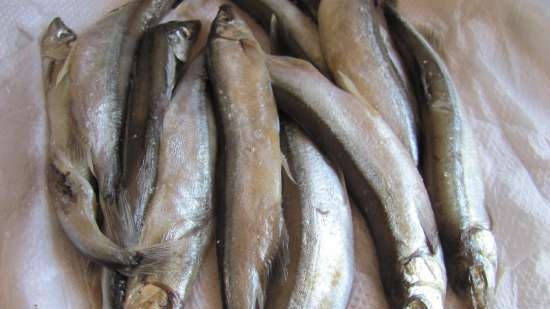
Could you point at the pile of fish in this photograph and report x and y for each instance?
(160, 146)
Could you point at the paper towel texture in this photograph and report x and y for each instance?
(498, 53)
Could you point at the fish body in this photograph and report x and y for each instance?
(381, 176)
(450, 168)
(245, 104)
(298, 32)
(360, 63)
(163, 51)
(69, 180)
(100, 67)
(181, 208)
(319, 222)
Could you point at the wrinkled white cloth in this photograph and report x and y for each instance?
(497, 52)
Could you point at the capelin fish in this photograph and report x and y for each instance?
(451, 169)
(296, 30)
(181, 208)
(254, 224)
(160, 57)
(162, 53)
(381, 175)
(69, 180)
(360, 63)
(319, 222)
(100, 67)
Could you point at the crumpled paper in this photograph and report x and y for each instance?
(497, 52)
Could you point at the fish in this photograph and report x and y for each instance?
(99, 68)
(254, 224)
(450, 168)
(360, 63)
(70, 183)
(161, 56)
(182, 206)
(318, 218)
(296, 30)
(381, 175)
(162, 52)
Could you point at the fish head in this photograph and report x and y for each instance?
(227, 25)
(181, 35)
(57, 40)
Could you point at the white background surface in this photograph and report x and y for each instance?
(498, 52)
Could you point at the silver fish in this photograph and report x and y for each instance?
(69, 180)
(100, 67)
(319, 222)
(160, 56)
(451, 170)
(182, 206)
(360, 63)
(381, 175)
(162, 53)
(296, 30)
(254, 224)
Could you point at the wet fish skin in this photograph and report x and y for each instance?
(318, 218)
(181, 208)
(296, 30)
(68, 178)
(381, 175)
(450, 169)
(100, 67)
(162, 53)
(360, 63)
(245, 104)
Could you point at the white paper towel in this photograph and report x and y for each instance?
(497, 52)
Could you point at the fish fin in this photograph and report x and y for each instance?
(282, 258)
(150, 259)
(434, 36)
(286, 168)
(64, 72)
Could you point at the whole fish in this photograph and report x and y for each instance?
(69, 180)
(162, 53)
(158, 62)
(296, 30)
(360, 63)
(381, 175)
(451, 170)
(100, 67)
(319, 222)
(182, 206)
(254, 224)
